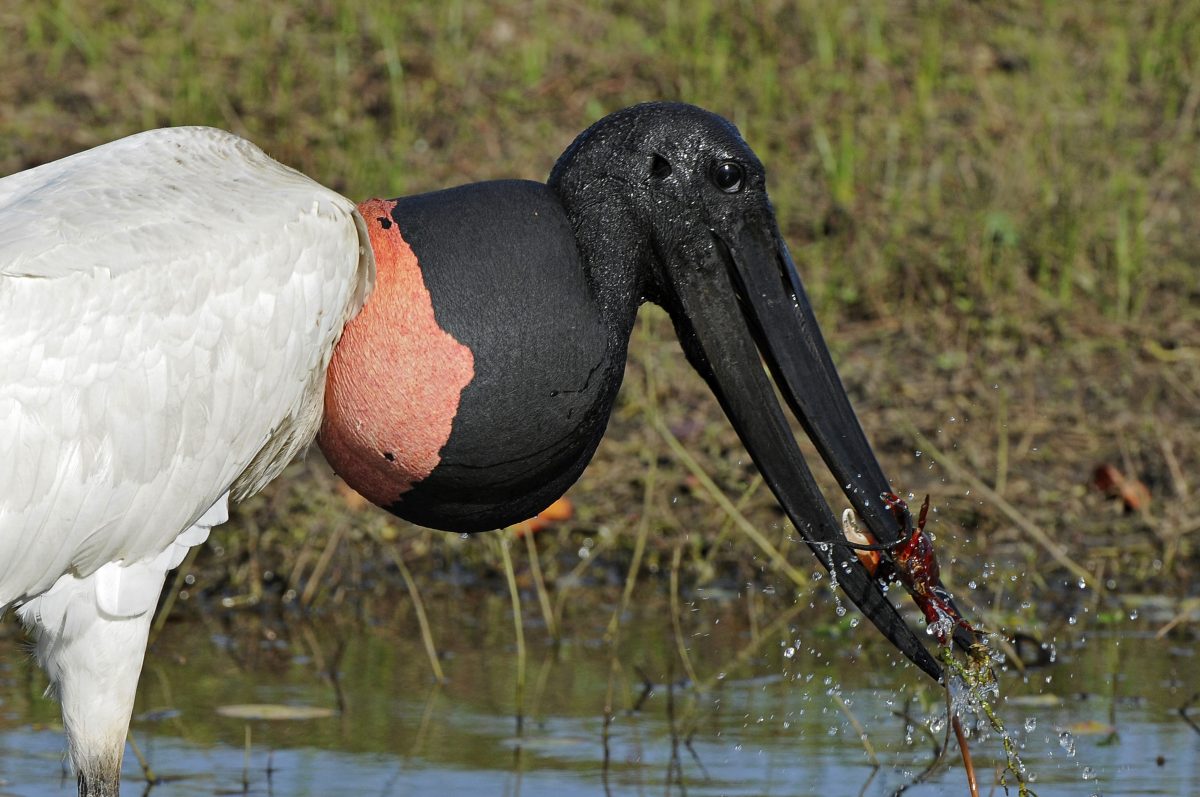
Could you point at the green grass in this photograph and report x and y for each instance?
(1074, 124)
(977, 194)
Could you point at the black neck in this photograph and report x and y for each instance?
(544, 295)
(612, 244)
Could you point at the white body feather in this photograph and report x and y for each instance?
(168, 306)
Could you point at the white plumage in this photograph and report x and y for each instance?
(168, 306)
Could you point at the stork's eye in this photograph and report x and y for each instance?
(729, 176)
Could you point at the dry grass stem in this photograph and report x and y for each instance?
(539, 583)
(1034, 532)
(777, 559)
(419, 607)
(518, 628)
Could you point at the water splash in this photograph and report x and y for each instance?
(838, 607)
(972, 688)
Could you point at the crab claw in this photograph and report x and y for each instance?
(854, 534)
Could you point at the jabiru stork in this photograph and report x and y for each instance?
(181, 315)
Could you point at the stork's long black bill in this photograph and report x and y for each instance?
(792, 344)
(719, 338)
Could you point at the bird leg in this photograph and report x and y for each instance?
(94, 659)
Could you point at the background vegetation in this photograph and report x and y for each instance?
(994, 207)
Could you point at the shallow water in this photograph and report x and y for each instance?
(771, 726)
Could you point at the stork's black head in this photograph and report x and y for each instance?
(670, 172)
(675, 190)
(659, 182)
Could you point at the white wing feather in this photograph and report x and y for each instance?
(168, 306)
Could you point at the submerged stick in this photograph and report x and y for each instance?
(965, 749)
(246, 762)
(676, 623)
(152, 778)
(859, 729)
(1185, 611)
(1183, 712)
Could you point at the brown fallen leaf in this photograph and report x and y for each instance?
(1134, 495)
(560, 510)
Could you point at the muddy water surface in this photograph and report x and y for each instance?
(779, 719)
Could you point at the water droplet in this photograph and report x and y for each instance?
(1067, 742)
(1030, 724)
(1089, 773)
